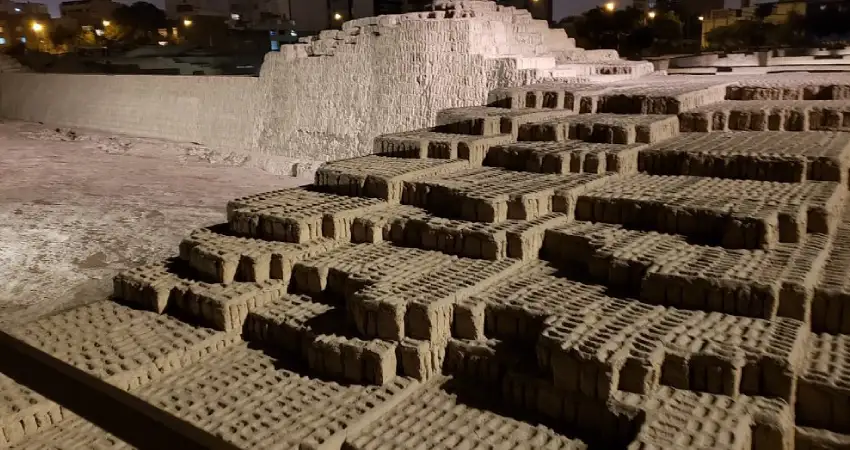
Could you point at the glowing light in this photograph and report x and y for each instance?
(187, 23)
(651, 14)
(37, 27)
(162, 43)
(337, 16)
(610, 6)
(701, 18)
(107, 23)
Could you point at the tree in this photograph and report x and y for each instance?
(140, 22)
(61, 36)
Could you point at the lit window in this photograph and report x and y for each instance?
(275, 46)
(24, 40)
(2, 41)
(234, 16)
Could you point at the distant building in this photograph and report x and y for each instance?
(87, 12)
(24, 23)
(723, 17)
(177, 9)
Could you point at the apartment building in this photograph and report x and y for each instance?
(723, 17)
(87, 12)
(23, 23)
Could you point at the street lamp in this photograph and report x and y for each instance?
(610, 6)
(651, 14)
(701, 18)
(37, 27)
(106, 23)
(187, 23)
(337, 16)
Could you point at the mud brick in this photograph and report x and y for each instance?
(220, 258)
(325, 215)
(807, 86)
(380, 177)
(830, 310)
(493, 195)
(583, 98)
(421, 307)
(774, 115)
(73, 432)
(734, 213)
(487, 361)
(489, 121)
(767, 156)
(661, 99)
(420, 360)
(385, 224)
(307, 412)
(566, 157)
(439, 416)
(668, 270)
(354, 267)
(603, 128)
(541, 96)
(225, 307)
(433, 144)
(284, 198)
(25, 413)
(316, 332)
(151, 287)
(118, 345)
(818, 439)
(823, 392)
(519, 239)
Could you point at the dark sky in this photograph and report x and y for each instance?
(562, 8)
(54, 4)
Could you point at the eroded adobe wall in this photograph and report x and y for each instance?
(215, 111)
(379, 79)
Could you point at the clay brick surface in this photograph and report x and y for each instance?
(297, 215)
(439, 417)
(823, 396)
(493, 195)
(73, 433)
(807, 86)
(489, 121)
(774, 115)
(603, 128)
(732, 213)
(437, 145)
(151, 287)
(24, 412)
(668, 270)
(565, 157)
(318, 333)
(830, 312)
(278, 407)
(817, 439)
(657, 99)
(380, 176)
(421, 307)
(119, 345)
(767, 156)
(221, 258)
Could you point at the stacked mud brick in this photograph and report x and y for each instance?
(570, 266)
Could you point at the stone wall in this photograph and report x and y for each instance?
(330, 95)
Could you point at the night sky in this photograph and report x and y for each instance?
(562, 8)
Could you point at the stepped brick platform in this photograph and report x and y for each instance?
(571, 266)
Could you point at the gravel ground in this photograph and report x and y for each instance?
(77, 206)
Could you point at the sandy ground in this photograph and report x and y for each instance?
(78, 206)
